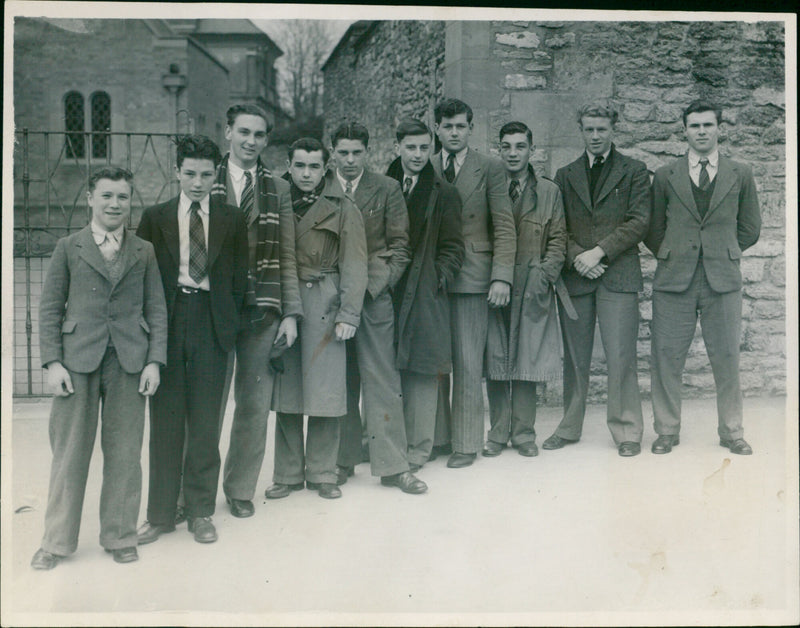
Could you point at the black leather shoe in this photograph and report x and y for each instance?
(492, 449)
(328, 490)
(277, 491)
(241, 508)
(124, 554)
(180, 515)
(406, 482)
(458, 460)
(440, 450)
(737, 446)
(342, 473)
(528, 449)
(664, 443)
(556, 442)
(44, 560)
(203, 530)
(629, 448)
(149, 532)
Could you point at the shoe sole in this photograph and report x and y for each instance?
(153, 539)
(460, 465)
(490, 454)
(532, 454)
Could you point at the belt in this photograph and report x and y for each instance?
(188, 290)
(563, 297)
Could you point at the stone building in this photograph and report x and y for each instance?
(538, 72)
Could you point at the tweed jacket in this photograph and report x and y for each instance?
(616, 219)
(81, 308)
(679, 236)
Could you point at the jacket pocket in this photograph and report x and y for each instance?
(734, 252)
(663, 253)
(481, 247)
(144, 325)
(67, 327)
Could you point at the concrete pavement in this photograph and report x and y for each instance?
(578, 535)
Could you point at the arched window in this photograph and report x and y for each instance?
(73, 124)
(101, 122)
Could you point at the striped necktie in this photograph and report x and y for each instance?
(513, 190)
(407, 187)
(247, 205)
(198, 256)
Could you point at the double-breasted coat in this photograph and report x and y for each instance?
(420, 297)
(523, 343)
(331, 252)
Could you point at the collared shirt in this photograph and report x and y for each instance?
(593, 157)
(353, 182)
(523, 180)
(414, 178)
(460, 156)
(695, 167)
(184, 211)
(100, 234)
(237, 178)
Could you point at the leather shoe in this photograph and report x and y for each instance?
(492, 449)
(458, 460)
(629, 448)
(528, 449)
(440, 450)
(124, 554)
(737, 446)
(44, 560)
(180, 515)
(328, 490)
(556, 442)
(664, 443)
(406, 482)
(276, 491)
(203, 530)
(342, 473)
(150, 532)
(241, 508)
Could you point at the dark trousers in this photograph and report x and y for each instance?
(187, 405)
(444, 420)
(253, 394)
(73, 428)
(674, 322)
(353, 431)
(512, 411)
(316, 462)
(382, 397)
(618, 314)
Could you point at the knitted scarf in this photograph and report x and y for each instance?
(301, 200)
(264, 282)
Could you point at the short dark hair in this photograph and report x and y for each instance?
(412, 126)
(197, 147)
(251, 110)
(115, 173)
(700, 106)
(350, 131)
(308, 144)
(510, 128)
(601, 108)
(450, 108)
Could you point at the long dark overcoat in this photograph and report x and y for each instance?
(420, 297)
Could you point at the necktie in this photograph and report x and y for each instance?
(198, 257)
(246, 204)
(594, 174)
(349, 188)
(703, 180)
(450, 170)
(513, 190)
(407, 187)
(109, 247)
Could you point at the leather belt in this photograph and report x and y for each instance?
(188, 290)
(563, 297)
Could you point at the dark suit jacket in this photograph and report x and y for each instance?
(617, 221)
(678, 234)
(383, 209)
(487, 224)
(81, 308)
(227, 260)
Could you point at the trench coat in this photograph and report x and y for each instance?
(331, 251)
(523, 341)
(420, 297)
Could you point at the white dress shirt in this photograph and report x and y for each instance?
(237, 178)
(184, 207)
(353, 182)
(695, 167)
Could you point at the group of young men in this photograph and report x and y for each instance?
(342, 292)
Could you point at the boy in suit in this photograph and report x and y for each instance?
(705, 213)
(607, 209)
(103, 330)
(201, 247)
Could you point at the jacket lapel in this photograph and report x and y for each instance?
(576, 176)
(90, 252)
(725, 179)
(615, 174)
(318, 212)
(169, 229)
(366, 189)
(468, 177)
(436, 162)
(681, 184)
(218, 222)
(129, 253)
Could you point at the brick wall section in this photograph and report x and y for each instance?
(539, 71)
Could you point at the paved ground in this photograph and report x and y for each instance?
(578, 535)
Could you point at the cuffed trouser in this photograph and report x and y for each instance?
(442, 430)
(381, 391)
(618, 314)
(73, 427)
(469, 321)
(252, 391)
(316, 462)
(512, 411)
(674, 322)
(420, 397)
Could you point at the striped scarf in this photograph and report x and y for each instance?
(263, 282)
(301, 201)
